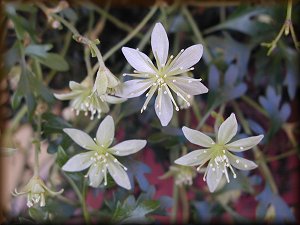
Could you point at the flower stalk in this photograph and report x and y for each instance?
(37, 146)
(286, 28)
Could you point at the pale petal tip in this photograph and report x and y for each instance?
(66, 130)
(108, 117)
(232, 115)
(185, 130)
(178, 161)
(143, 143)
(261, 136)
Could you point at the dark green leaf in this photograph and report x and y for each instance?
(38, 214)
(53, 124)
(62, 157)
(54, 61)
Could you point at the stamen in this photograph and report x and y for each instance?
(226, 174)
(234, 174)
(171, 97)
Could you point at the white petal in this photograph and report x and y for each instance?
(106, 132)
(244, 144)
(188, 58)
(138, 60)
(160, 43)
(95, 175)
(194, 158)
(78, 162)
(113, 99)
(101, 82)
(213, 177)
(119, 175)
(75, 86)
(240, 163)
(163, 107)
(227, 129)
(133, 88)
(81, 138)
(197, 137)
(111, 78)
(189, 85)
(128, 147)
(66, 96)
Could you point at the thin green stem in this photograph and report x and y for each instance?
(282, 156)
(206, 115)
(128, 37)
(66, 23)
(289, 10)
(255, 105)
(175, 203)
(81, 39)
(185, 205)
(233, 213)
(258, 154)
(206, 52)
(73, 185)
(86, 214)
(37, 143)
(118, 23)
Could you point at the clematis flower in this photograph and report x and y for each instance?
(36, 191)
(164, 77)
(100, 157)
(219, 154)
(84, 97)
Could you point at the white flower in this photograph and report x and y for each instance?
(36, 191)
(105, 81)
(163, 77)
(84, 97)
(219, 154)
(100, 157)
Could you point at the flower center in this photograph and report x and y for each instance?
(88, 101)
(101, 159)
(219, 160)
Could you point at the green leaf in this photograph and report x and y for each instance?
(53, 124)
(58, 211)
(24, 220)
(37, 50)
(245, 21)
(62, 156)
(54, 61)
(16, 99)
(132, 211)
(21, 25)
(31, 103)
(38, 214)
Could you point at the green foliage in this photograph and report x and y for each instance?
(134, 211)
